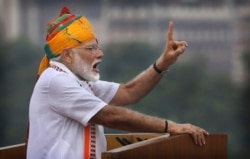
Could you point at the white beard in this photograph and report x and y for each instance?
(83, 70)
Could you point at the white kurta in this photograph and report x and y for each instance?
(60, 107)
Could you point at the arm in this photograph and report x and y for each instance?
(124, 119)
(140, 86)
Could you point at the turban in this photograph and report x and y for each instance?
(65, 31)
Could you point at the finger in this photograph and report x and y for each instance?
(195, 137)
(186, 44)
(205, 132)
(178, 46)
(201, 140)
(198, 139)
(180, 50)
(170, 31)
(181, 43)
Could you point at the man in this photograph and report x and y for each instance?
(70, 104)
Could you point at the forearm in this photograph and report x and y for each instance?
(143, 83)
(128, 120)
(134, 90)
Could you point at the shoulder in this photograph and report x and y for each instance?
(56, 80)
(51, 75)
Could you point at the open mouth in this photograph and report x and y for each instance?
(95, 66)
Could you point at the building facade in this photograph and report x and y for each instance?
(217, 30)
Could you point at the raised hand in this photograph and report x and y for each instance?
(172, 50)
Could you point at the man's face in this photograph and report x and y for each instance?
(87, 57)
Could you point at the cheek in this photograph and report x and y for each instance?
(87, 62)
(84, 65)
(83, 61)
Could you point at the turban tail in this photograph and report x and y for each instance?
(65, 31)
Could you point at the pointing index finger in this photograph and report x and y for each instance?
(170, 31)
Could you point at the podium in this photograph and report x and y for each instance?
(166, 147)
(147, 146)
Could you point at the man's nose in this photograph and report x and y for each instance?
(99, 53)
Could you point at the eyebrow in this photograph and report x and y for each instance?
(82, 47)
(91, 45)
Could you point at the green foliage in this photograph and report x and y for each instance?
(19, 62)
(122, 63)
(246, 61)
(246, 102)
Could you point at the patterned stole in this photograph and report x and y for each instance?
(89, 142)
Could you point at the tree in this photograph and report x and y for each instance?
(19, 63)
(246, 102)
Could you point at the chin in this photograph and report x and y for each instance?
(92, 78)
(96, 79)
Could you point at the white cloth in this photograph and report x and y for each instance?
(60, 107)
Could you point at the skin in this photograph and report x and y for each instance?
(114, 115)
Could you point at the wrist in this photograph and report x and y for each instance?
(171, 126)
(158, 70)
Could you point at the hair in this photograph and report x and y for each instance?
(57, 59)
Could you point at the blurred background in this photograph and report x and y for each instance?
(208, 86)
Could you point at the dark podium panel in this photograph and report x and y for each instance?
(147, 146)
(171, 147)
(13, 152)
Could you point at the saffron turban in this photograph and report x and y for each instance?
(65, 31)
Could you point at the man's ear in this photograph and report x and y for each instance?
(67, 56)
